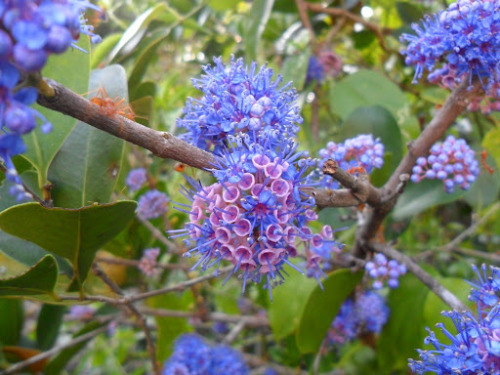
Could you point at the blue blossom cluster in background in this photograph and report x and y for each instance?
(238, 99)
(362, 151)
(193, 356)
(256, 215)
(459, 43)
(325, 64)
(475, 347)
(136, 178)
(30, 31)
(152, 204)
(367, 314)
(381, 270)
(451, 161)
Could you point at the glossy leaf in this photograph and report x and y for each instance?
(75, 234)
(71, 70)
(11, 321)
(49, 323)
(100, 51)
(419, 197)
(255, 25)
(379, 122)
(289, 300)
(322, 306)
(484, 190)
(39, 279)
(86, 167)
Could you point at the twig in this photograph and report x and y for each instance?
(301, 7)
(133, 310)
(449, 298)
(157, 233)
(233, 334)
(471, 229)
(49, 353)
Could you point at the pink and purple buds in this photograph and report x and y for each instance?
(256, 216)
(148, 264)
(382, 270)
(362, 151)
(451, 161)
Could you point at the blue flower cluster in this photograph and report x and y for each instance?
(152, 204)
(326, 64)
(367, 314)
(30, 31)
(192, 356)
(361, 152)
(238, 99)
(451, 161)
(136, 178)
(458, 43)
(475, 348)
(381, 270)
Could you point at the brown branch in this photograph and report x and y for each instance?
(302, 8)
(133, 310)
(449, 298)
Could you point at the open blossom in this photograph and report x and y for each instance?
(457, 44)
(238, 99)
(31, 31)
(362, 151)
(475, 348)
(451, 161)
(256, 215)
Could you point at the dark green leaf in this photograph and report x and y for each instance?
(11, 321)
(39, 279)
(255, 25)
(379, 122)
(322, 306)
(49, 323)
(75, 234)
(418, 197)
(404, 332)
(289, 300)
(71, 70)
(484, 190)
(409, 12)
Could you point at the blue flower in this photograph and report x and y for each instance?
(152, 204)
(136, 178)
(238, 99)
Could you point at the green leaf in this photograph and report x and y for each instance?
(142, 62)
(408, 12)
(100, 52)
(294, 69)
(71, 70)
(420, 196)
(255, 25)
(379, 122)
(11, 321)
(222, 5)
(48, 326)
(170, 328)
(366, 88)
(322, 306)
(289, 300)
(56, 364)
(39, 279)
(484, 190)
(404, 332)
(86, 167)
(134, 33)
(75, 234)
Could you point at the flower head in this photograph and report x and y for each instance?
(148, 264)
(451, 161)
(152, 204)
(136, 178)
(238, 99)
(326, 64)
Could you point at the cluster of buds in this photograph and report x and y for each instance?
(381, 270)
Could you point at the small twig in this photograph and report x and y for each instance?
(471, 229)
(133, 310)
(449, 298)
(403, 181)
(235, 331)
(157, 233)
(49, 353)
(301, 7)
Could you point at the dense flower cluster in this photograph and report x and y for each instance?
(326, 64)
(192, 356)
(256, 215)
(367, 314)
(30, 31)
(148, 263)
(381, 270)
(362, 151)
(81, 312)
(238, 99)
(136, 178)
(458, 44)
(475, 348)
(152, 204)
(451, 161)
